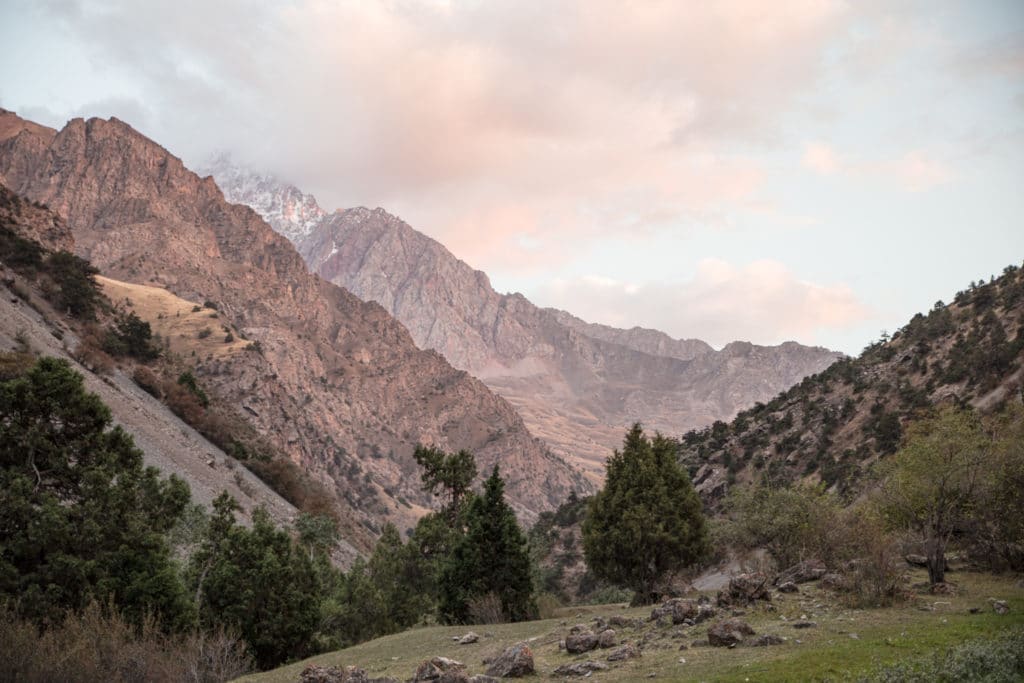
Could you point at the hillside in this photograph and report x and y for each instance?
(335, 383)
(833, 425)
(30, 324)
(576, 385)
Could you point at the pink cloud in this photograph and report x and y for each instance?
(761, 301)
(915, 171)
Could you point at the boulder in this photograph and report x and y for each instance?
(334, 674)
(441, 670)
(729, 632)
(767, 639)
(745, 589)
(1000, 607)
(576, 643)
(623, 652)
(788, 587)
(802, 572)
(833, 581)
(580, 668)
(467, 639)
(606, 638)
(805, 624)
(513, 662)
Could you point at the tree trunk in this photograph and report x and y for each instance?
(936, 562)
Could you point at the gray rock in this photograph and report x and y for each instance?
(623, 652)
(468, 639)
(513, 662)
(788, 587)
(442, 670)
(1000, 607)
(729, 632)
(576, 643)
(805, 624)
(767, 639)
(606, 638)
(745, 589)
(580, 668)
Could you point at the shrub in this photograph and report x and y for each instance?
(147, 381)
(98, 644)
(204, 333)
(486, 609)
(994, 660)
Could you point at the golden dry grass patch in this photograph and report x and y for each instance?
(181, 322)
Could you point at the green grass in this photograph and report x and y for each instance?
(828, 652)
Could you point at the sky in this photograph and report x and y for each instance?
(808, 170)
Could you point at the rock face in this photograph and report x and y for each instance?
(337, 384)
(577, 385)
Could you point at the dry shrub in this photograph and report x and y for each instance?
(147, 381)
(99, 645)
(874, 570)
(486, 609)
(548, 605)
(294, 485)
(90, 353)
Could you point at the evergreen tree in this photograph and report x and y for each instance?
(491, 558)
(452, 473)
(81, 519)
(258, 581)
(647, 521)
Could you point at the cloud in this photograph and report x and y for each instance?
(914, 171)
(514, 123)
(762, 301)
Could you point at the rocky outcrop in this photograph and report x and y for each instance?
(577, 385)
(513, 662)
(336, 383)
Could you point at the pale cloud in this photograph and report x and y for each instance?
(498, 127)
(914, 171)
(762, 301)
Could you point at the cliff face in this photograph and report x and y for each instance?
(338, 384)
(577, 385)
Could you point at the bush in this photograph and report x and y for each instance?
(994, 660)
(100, 645)
(486, 609)
(147, 381)
(204, 333)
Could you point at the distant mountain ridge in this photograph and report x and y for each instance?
(577, 385)
(336, 383)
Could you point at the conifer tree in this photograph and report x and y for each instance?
(647, 521)
(491, 558)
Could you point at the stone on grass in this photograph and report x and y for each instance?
(745, 589)
(467, 639)
(440, 669)
(513, 662)
(606, 638)
(584, 668)
(577, 643)
(334, 674)
(1000, 607)
(729, 632)
(767, 639)
(805, 624)
(623, 652)
(788, 587)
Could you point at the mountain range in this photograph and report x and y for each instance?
(577, 385)
(335, 383)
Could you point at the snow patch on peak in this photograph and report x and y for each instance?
(287, 209)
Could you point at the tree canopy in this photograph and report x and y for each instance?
(81, 519)
(646, 522)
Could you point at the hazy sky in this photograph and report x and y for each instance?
(815, 170)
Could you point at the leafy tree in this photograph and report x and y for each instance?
(81, 519)
(930, 485)
(258, 581)
(132, 336)
(77, 291)
(452, 473)
(647, 521)
(492, 557)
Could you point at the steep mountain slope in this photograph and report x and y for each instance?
(576, 385)
(334, 382)
(30, 325)
(834, 425)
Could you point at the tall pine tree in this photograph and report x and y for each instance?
(491, 558)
